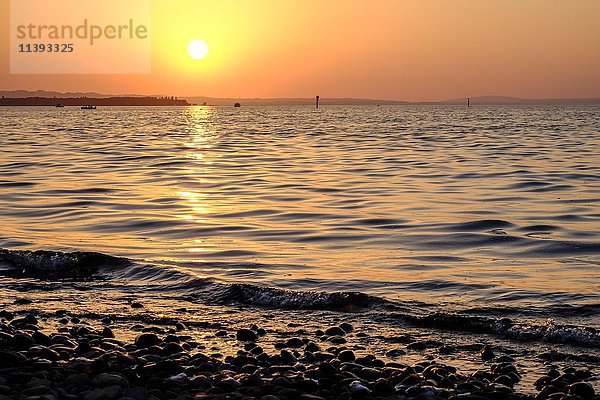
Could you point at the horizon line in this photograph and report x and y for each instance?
(322, 98)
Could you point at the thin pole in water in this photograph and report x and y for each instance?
(317, 101)
(468, 102)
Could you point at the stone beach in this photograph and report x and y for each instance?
(78, 360)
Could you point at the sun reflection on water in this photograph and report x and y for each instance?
(199, 144)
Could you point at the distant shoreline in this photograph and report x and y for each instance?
(93, 101)
(325, 101)
(23, 98)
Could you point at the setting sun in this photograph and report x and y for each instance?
(198, 49)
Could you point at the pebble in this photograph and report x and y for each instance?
(312, 347)
(335, 331)
(487, 354)
(246, 335)
(583, 390)
(395, 353)
(358, 390)
(337, 340)
(146, 340)
(107, 333)
(294, 342)
(346, 356)
(110, 379)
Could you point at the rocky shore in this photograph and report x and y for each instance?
(79, 361)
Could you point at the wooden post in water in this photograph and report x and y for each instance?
(317, 101)
(468, 102)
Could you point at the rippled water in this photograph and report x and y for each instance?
(467, 207)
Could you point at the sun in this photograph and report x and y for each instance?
(198, 49)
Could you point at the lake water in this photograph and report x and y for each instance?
(495, 209)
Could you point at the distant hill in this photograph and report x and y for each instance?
(132, 99)
(482, 100)
(507, 100)
(19, 94)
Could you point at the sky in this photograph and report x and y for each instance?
(416, 50)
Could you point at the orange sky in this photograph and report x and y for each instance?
(392, 49)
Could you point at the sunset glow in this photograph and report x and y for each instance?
(405, 50)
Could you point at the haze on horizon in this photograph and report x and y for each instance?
(416, 50)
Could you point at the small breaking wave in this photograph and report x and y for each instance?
(507, 328)
(289, 299)
(124, 274)
(55, 264)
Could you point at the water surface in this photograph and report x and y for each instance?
(477, 207)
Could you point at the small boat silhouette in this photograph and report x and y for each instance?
(237, 105)
(60, 105)
(88, 107)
